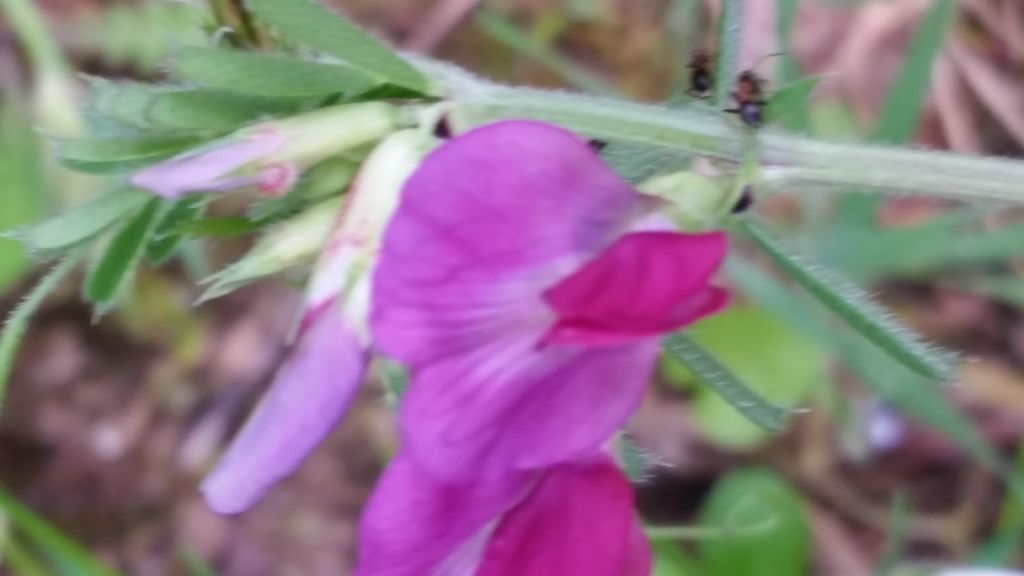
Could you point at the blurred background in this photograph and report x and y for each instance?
(108, 426)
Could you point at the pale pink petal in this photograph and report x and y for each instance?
(487, 223)
(414, 525)
(308, 397)
(508, 406)
(645, 284)
(210, 169)
(579, 520)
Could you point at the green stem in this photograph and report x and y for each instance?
(709, 532)
(233, 15)
(730, 40)
(39, 44)
(788, 159)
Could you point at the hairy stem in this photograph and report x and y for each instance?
(788, 159)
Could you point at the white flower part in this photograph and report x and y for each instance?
(346, 263)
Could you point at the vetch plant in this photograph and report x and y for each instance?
(527, 280)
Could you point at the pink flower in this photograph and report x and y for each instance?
(316, 386)
(221, 167)
(271, 155)
(525, 285)
(573, 518)
(310, 394)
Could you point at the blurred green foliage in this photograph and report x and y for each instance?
(769, 356)
(22, 195)
(753, 498)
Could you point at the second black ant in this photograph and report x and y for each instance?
(749, 98)
(701, 78)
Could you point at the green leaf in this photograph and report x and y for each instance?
(172, 108)
(289, 245)
(23, 194)
(17, 322)
(870, 253)
(756, 497)
(855, 306)
(19, 560)
(221, 227)
(266, 75)
(118, 155)
(915, 396)
(670, 560)
(67, 557)
(633, 460)
(911, 393)
(789, 105)
(80, 223)
(109, 276)
(311, 24)
(168, 236)
(140, 36)
(727, 57)
(906, 96)
(766, 355)
(727, 385)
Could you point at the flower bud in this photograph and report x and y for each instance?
(270, 156)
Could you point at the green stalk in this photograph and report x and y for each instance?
(730, 40)
(233, 14)
(56, 106)
(788, 159)
(43, 52)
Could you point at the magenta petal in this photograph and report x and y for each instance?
(486, 224)
(209, 169)
(311, 393)
(510, 407)
(645, 284)
(639, 561)
(578, 521)
(414, 525)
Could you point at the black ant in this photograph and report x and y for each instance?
(701, 79)
(745, 201)
(749, 97)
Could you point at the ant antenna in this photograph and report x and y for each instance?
(767, 56)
